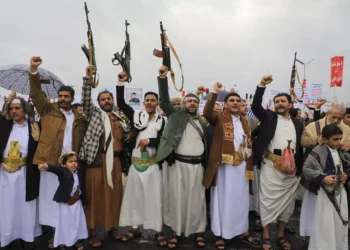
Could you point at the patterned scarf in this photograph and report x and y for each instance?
(229, 155)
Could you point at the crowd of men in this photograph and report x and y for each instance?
(66, 171)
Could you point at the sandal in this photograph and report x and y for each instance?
(115, 234)
(50, 243)
(174, 243)
(61, 247)
(132, 234)
(161, 239)
(266, 241)
(219, 243)
(290, 229)
(254, 242)
(283, 243)
(94, 242)
(79, 245)
(199, 239)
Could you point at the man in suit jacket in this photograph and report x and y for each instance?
(184, 146)
(19, 178)
(278, 182)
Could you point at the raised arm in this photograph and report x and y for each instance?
(164, 99)
(127, 110)
(257, 109)
(208, 111)
(86, 101)
(36, 93)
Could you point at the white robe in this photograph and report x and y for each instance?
(307, 214)
(328, 230)
(230, 197)
(277, 189)
(142, 200)
(71, 221)
(18, 218)
(48, 208)
(184, 194)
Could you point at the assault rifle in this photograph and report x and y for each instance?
(165, 54)
(125, 57)
(90, 52)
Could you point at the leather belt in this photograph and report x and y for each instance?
(188, 159)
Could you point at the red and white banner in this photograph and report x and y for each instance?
(337, 63)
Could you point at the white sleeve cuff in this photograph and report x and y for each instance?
(260, 86)
(121, 83)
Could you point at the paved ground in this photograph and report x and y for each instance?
(146, 241)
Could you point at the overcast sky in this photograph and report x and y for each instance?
(231, 41)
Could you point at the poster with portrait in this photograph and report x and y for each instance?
(133, 96)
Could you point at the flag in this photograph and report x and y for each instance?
(251, 114)
(337, 63)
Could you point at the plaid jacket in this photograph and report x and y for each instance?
(90, 144)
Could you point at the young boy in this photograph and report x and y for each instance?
(71, 226)
(325, 167)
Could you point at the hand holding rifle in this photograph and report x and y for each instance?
(163, 71)
(123, 77)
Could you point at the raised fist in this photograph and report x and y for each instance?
(200, 90)
(35, 62)
(266, 80)
(320, 102)
(217, 87)
(163, 71)
(123, 77)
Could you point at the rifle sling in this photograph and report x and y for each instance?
(335, 204)
(180, 64)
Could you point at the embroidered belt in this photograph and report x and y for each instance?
(235, 160)
(277, 163)
(142, 165)
(15, 162)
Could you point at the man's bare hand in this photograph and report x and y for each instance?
(42, 166)
(35, 62)
(123, 77)
(343, 177)
(200, 90)
(163, 71)
(266, 80)
(320, 102)
(90, 71)
(330, 180)
(142, 144)
(217, 87)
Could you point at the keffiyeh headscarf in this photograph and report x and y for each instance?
(28, 109)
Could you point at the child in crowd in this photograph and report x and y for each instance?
(71, 226)
(325, 167)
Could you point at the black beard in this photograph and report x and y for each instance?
(191, 113)
(285, 111)
(107, 109)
